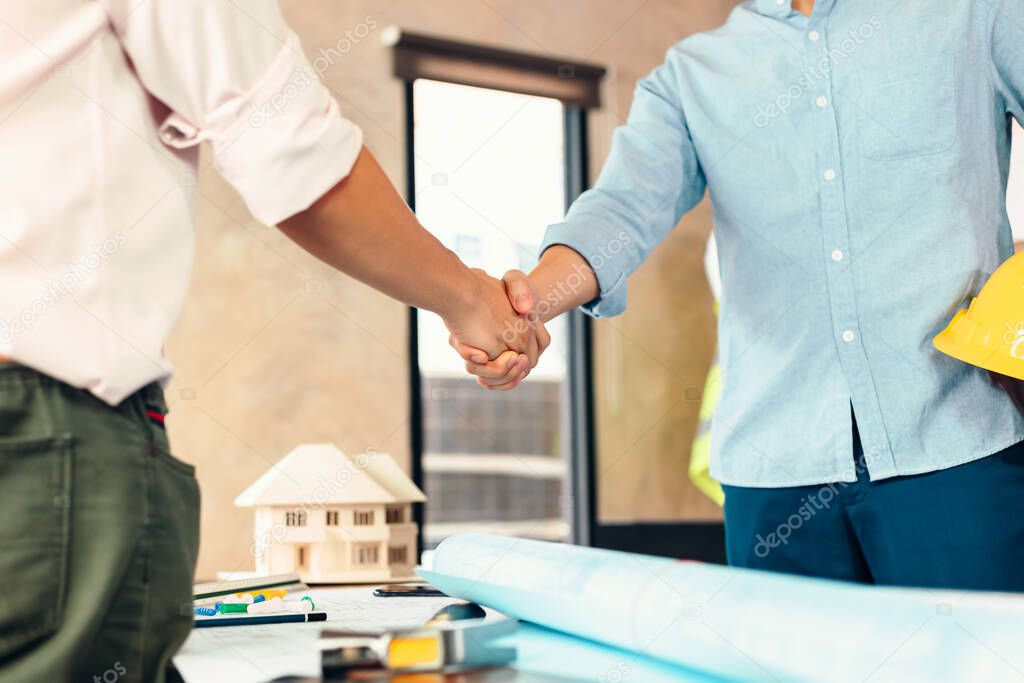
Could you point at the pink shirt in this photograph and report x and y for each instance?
(103, 105)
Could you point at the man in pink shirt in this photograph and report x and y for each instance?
(103, 106)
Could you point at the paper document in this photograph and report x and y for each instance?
(255, 654)
(737, 623)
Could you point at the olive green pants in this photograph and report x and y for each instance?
(99, 529)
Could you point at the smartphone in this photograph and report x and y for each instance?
(416, 590)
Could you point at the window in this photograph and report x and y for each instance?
(395, 515)
(469, 246)
(365, 554)
(398, 555)
(301, 556)
(332, 518)
(362, 517)
(295, 518)
(489, 193)
(497, 147)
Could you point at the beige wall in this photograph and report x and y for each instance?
(274, 350)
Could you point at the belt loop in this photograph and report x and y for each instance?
(154, 409)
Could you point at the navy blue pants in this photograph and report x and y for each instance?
(961, 527)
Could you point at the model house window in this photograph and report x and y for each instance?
(302, 556)
(362, 517)
(332, 518)
(398, 555)
(366, 554)
(295, 518)
(395, 515)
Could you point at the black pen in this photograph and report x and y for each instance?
(260, 619)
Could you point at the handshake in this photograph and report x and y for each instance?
(499, 334)
(499, 328)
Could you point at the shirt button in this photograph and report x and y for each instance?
(813, 35)
(822, 101)
(830, 174)
(848, 336)
(837, 255)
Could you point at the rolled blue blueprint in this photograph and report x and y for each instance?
(739, 624)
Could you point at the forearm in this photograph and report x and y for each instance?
(363, 228)
(563, 280)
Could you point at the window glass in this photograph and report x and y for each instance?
(490, 177)
(362, 517)
(365, 553)
(395, 516)
(397, 555)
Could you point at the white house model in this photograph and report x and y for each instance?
(333, 518)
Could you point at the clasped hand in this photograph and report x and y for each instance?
(500, 337)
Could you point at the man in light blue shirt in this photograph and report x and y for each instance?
(856, 154)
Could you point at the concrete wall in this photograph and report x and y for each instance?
(274, 349)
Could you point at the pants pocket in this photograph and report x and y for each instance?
(176, 492)
(174, 545)
(35, 502)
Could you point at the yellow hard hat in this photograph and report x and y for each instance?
(990, 333)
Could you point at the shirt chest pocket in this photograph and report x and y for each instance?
(909, 111)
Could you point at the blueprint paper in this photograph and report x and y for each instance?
(546, 655)
(737, 623)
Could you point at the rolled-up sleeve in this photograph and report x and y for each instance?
(651, 178)
(235, 76)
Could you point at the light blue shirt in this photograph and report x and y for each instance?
(857, 163)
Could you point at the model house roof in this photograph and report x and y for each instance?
(320, 474)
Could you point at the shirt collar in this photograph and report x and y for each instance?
(775, 8)
(783, 8)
